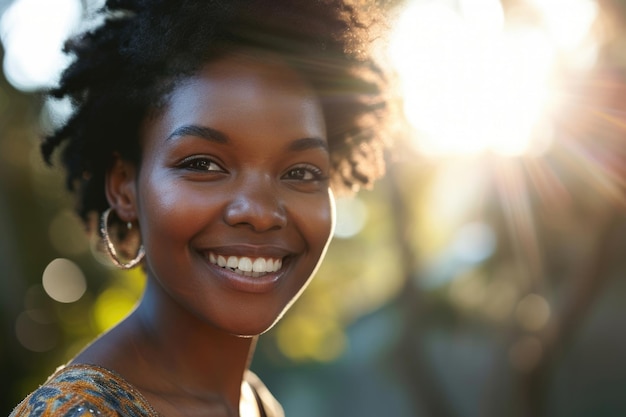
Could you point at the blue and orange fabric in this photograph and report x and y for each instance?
(89, 390)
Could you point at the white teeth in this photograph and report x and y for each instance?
(259, 265)
(232, 262)
(247, 266)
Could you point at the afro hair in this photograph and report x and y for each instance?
(124, 68)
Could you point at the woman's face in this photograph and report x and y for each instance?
(232, 194)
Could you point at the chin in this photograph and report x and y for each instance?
(249, 329)
(251, 333)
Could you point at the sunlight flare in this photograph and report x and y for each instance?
(33, 59)
(473, 82)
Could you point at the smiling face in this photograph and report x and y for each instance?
(232, 195)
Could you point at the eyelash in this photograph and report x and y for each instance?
(316, 173)
(190, 163)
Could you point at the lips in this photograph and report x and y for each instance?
(245, 265)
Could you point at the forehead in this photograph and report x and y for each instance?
(270, 68)
(246, 89)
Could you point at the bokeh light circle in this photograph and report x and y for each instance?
(64, 281)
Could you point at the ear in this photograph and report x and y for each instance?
(121, 189)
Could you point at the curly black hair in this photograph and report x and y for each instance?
(124, 68)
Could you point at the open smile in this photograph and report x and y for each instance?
(247, 266)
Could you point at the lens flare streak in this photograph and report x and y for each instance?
(512, 188)
(586, 164)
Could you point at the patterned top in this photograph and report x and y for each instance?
(89, 390)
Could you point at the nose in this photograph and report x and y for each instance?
(256, 204)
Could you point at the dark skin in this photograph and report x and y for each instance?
(234, 170)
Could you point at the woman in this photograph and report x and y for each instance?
(206, 136)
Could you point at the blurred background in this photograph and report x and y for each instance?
(484, 276)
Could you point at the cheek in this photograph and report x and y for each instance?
(171, 209)
(318, 220)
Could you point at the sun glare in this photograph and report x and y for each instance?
(473, 82)
(32, 33)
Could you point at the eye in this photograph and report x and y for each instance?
(198, 163)
(304, 173)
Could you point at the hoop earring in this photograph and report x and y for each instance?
(104, 226)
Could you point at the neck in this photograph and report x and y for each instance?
(189, 356)
(168, 351)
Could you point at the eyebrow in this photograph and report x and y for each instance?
(308, 143)
(215, 135)
(200, 131)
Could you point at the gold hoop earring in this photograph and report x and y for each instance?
(104, 231)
